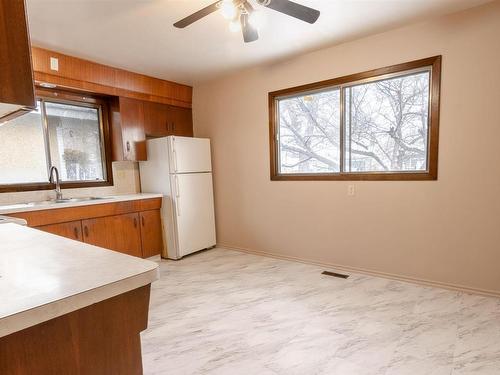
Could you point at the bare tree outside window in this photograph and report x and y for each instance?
(381, 124)
(387, 125)
(310, 133)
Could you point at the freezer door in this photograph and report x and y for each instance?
(189, 155)
(194, 212)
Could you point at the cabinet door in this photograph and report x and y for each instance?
(16, 76)
(181, 120)
(156, 123)
(132, 129)
(120, 233)
(151, 233)
(71, 229)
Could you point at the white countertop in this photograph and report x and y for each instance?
(22, 207)
(43, 276)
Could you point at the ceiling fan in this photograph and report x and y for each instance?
(243, 16)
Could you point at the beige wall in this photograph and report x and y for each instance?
(446, 231)
(125, 181)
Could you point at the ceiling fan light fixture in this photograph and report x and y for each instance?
(255, 19)
(242, 15)
(235, 26)
(228, 10)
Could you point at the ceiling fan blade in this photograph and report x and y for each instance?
(293, 9)
(197, 15)
(250, 34)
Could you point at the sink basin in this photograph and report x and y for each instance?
(66, 200)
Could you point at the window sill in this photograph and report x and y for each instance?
(403, 176)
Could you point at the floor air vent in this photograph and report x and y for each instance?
(335, 274)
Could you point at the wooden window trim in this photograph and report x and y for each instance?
(435, 88)
(72, 97)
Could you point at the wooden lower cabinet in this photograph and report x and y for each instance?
(100, 339)
(120, 233)
(71, 229)
(130, 227)
(151, 233)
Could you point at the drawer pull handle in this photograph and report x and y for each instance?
(86, 231)
(75, 230)
(135, 222)
(142, 221)
(128, 146)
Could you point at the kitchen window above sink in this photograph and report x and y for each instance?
(67, 131)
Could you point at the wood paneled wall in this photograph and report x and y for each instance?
(89, 76)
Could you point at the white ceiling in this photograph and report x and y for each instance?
(139, 36)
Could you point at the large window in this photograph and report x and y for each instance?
(376, 125)
(67, 134)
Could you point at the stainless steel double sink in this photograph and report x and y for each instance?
(65, 200)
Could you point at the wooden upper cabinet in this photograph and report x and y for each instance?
(181, 120)
(120, 233)
(16, 76)
(156, 120)
(132, 120)
(72, 229)
(151, 233)
(132, 124)
(127, 128)
(161, 120)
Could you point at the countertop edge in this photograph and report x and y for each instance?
(22, 320)
(104, 200)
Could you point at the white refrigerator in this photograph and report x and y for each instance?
(180, 168)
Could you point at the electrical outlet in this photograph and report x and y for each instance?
(54, 64)
(351, 190)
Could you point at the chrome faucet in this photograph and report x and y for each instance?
(57, 182)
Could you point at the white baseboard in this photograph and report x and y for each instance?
(414, 280)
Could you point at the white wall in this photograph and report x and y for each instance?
(445, 231)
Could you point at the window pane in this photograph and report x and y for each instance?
(387, 125)
(75, 141)
(309, 133)
(22, 155)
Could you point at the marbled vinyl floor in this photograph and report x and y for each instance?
(224, 312)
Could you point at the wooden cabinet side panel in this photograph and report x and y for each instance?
(16, 76)
(117, 150)
(100, 339)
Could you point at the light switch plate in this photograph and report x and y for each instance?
(54, 63)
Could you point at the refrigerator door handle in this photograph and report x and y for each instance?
(174, 154)
(175, 160)
(177, 190)
(177, 196)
